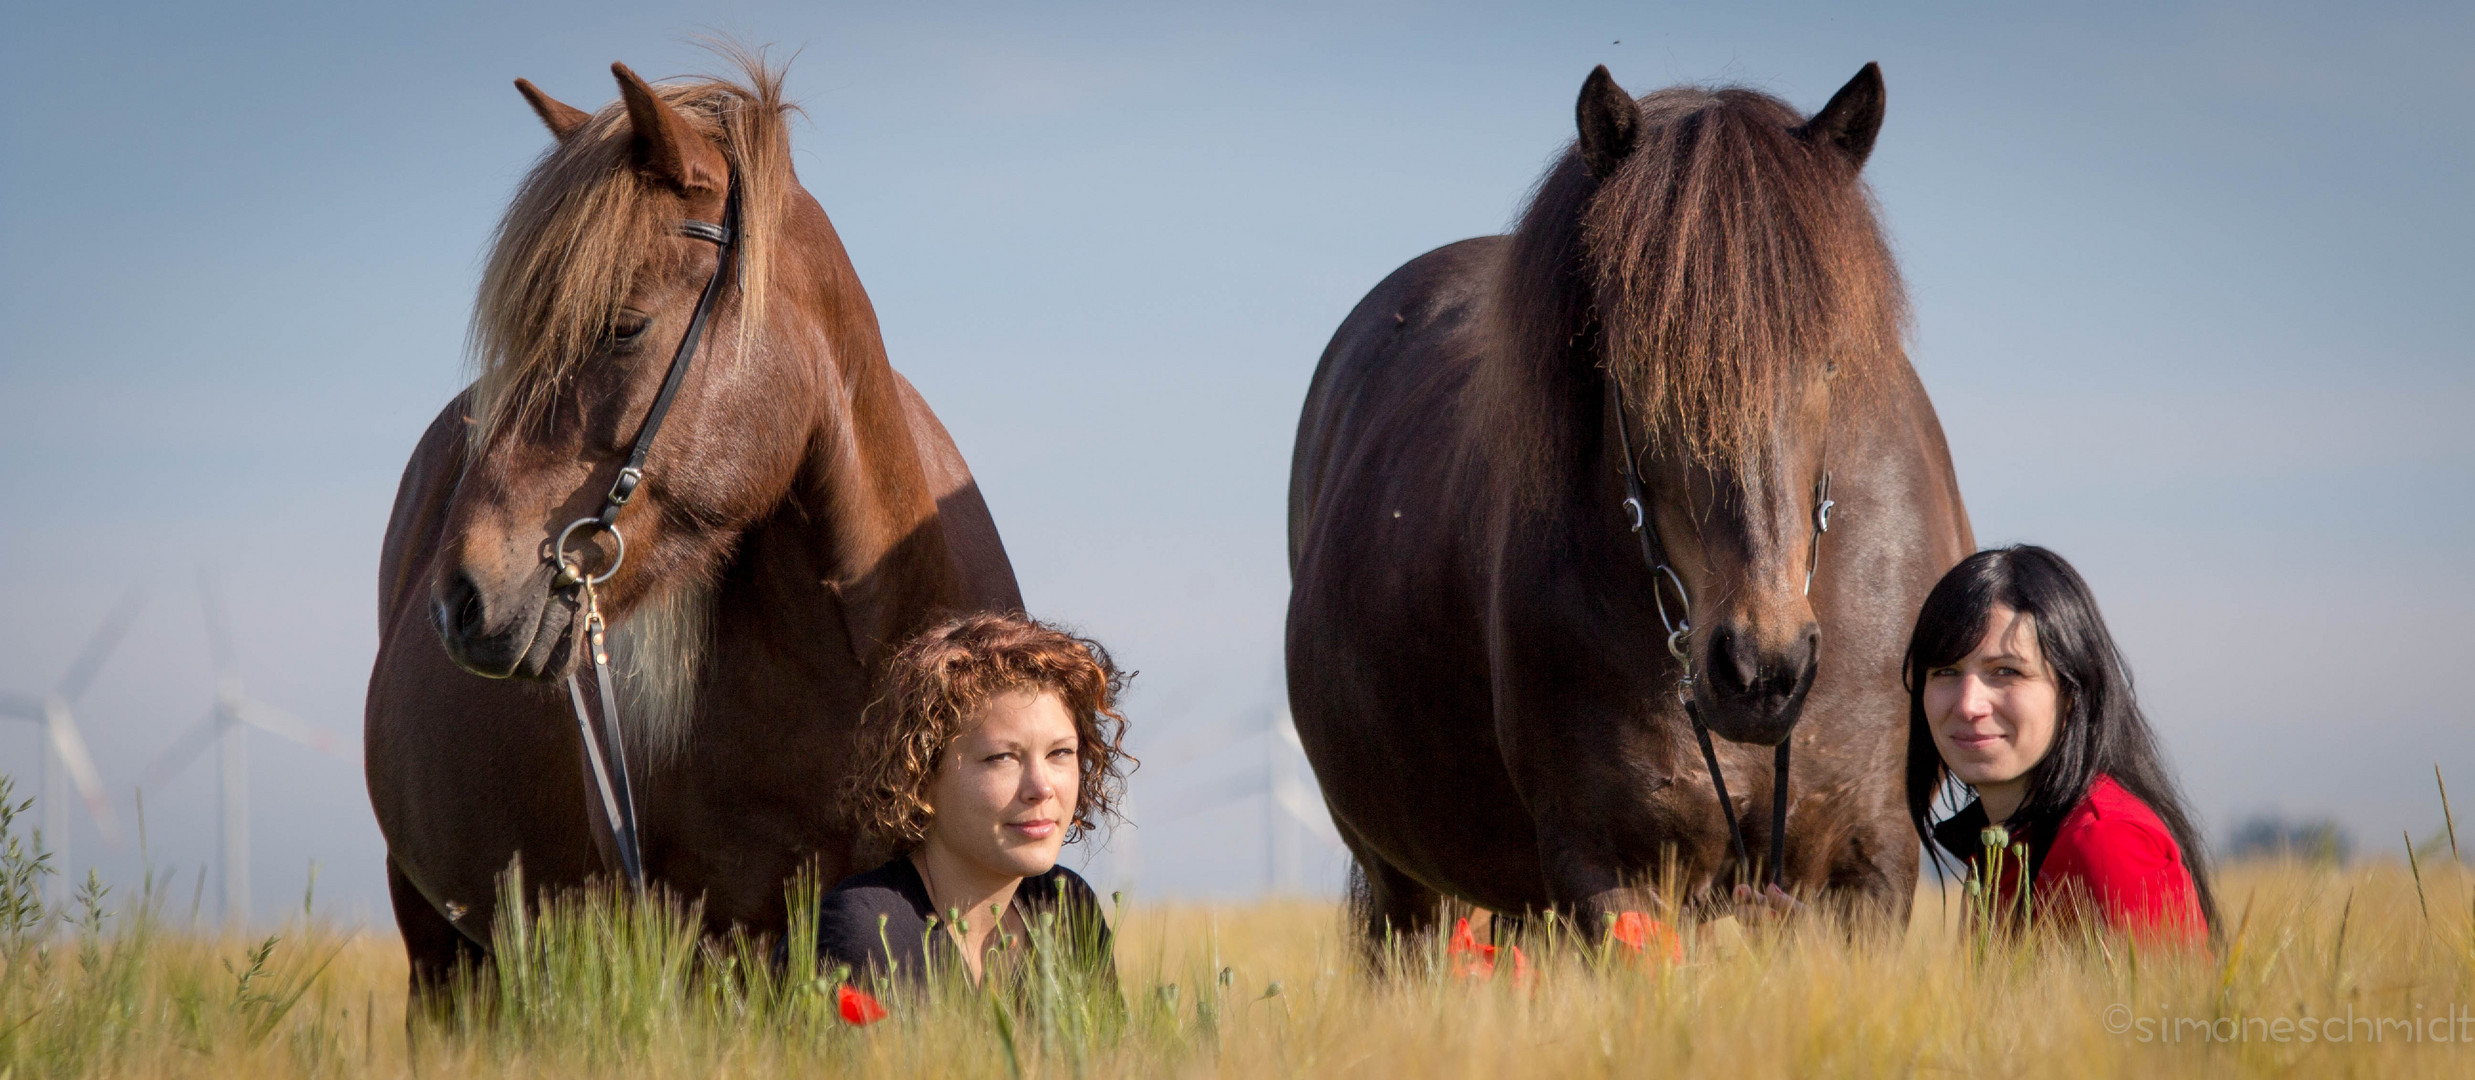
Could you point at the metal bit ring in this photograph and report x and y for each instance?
(569, 573)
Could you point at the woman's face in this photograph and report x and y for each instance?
(1993, 711)
(1004, 795)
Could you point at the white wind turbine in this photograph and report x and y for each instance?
(1292, 812)
(228, 722)
(64, 748)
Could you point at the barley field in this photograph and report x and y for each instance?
(2324, 970)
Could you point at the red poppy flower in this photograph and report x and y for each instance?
(1470, 960)
(1648, 936)
(1467, 958)
(858, 1008)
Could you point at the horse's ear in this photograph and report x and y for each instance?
(667, 146)
(1610, 123)
(560, 117)
(1853, 117)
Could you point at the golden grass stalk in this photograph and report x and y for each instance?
(604, 985)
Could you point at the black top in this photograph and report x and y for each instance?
(1962, 834)
(878, 924)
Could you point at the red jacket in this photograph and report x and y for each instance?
(2110, 855)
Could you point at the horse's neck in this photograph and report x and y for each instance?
(864, 507)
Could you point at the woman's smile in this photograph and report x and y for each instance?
(1034, 829)
(1970, 740)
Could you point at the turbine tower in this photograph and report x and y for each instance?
(1293, 815)
(64, 747)
(227, 723)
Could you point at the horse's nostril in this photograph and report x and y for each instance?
(1734, 659)
(1800, 662)
(1743, 672)
(462, 605)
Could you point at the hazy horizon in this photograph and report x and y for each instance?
(2188, 283)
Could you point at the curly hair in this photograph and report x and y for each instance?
(933, 691)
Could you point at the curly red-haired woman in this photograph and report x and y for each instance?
(997, 741)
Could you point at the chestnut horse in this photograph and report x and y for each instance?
(1478, 663)
(801, 511)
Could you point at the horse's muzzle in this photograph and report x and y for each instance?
(523, 635)
(1750, 694)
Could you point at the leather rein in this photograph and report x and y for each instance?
(1680, 631)
(615, 795)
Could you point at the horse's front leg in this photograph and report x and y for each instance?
(1615, 828)
(1868, 873)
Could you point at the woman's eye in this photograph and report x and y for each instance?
(1062, 751)
(1942, 673)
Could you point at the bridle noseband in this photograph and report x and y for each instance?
(616, 796)
(1680, 631)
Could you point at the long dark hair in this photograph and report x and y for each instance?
(2100, 730)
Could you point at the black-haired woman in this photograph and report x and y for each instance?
(2015, 690)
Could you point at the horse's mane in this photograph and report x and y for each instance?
(1724, 259)
(579, 230)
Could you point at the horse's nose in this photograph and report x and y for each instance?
(458, 610)
(1754, 693)
(479, 640)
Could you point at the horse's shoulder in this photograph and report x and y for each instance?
(1449, 277)
(970, 529)
(1387, 395)
(939, 458)
(1415, 322)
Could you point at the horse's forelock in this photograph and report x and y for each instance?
(586, 221)
(1721, 264)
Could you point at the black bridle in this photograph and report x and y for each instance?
(1679, 630)
(617, 796)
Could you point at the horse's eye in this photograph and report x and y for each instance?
(627, 329)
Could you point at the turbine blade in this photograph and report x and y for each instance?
(218, 627)
(1309, 812)
(71, 747)
(99, 648)
(274, 721)
(182, 751)
(1198, 742)
(19, 705)
(1201, 797)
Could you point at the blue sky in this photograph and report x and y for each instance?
(2190, 288)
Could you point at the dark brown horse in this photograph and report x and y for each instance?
(801, 512)
(1477, 663)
